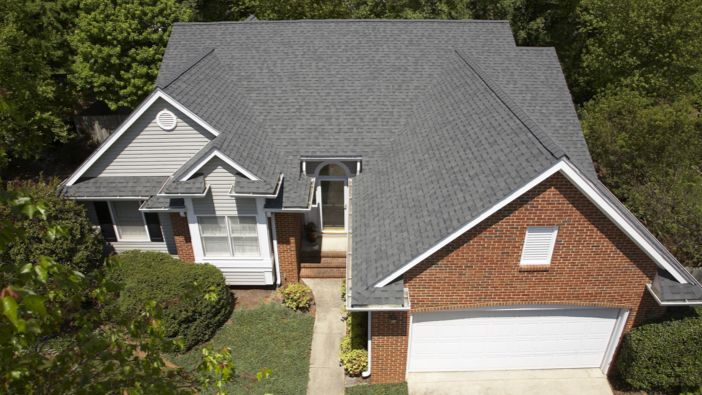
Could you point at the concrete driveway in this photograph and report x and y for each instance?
(522, 382)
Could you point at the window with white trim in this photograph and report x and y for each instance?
(229, 236)
(539, 243)
(129, 221)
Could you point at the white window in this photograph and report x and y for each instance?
(235, 236)
(539, 243)
(129, 221)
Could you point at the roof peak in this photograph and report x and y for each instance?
(247, 21)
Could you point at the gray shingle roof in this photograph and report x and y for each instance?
(194, 185)
(158, 203)
(671, 291)
(126, 186)
(442, 138)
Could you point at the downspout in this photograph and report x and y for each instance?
(367, 373)
(275, 249)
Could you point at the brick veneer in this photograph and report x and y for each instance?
(288, 234)
(181, 235)
(593, 264)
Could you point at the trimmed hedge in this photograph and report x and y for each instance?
(664, 356)
(194, 298)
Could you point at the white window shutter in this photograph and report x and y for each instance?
(538, 245)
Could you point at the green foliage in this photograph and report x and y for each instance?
(297, 296)
(664, 356)
(652, 46)
(353, 353)
(343, 291)
(118, 74)
(32, 100)
(378, 389)
(649, 152)
(216, 368)
(80, 246)
(194, 298)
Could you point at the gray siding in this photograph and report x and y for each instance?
(147, 150)
(121, 246)
(220, 177)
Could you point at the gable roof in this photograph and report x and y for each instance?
(448, 117)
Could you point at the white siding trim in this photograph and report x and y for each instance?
(223, 157)
(586, 188)
(614, 340)
(539, 243)
(133, 117)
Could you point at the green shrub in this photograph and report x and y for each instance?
(194, 297)
(354, 362)
(297, 296)
(79, 246)
(664, 356)
(343, 291)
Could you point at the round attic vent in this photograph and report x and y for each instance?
(166, 120)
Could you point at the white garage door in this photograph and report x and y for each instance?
(501, 339)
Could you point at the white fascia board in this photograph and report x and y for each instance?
(133, 117)
(177, 195)
(105, 198)
(681, 303)
(223, 157)
(585, 187)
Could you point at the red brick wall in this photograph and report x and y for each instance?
(288, 233)
(389, 346)
(181, 234)
(593, 264)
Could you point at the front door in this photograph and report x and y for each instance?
(333, 210)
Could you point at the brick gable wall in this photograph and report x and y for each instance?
(593, 264)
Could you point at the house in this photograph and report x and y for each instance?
(443, 164)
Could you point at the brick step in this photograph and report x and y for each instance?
(336, 272)
(325, 263)
(316, 255)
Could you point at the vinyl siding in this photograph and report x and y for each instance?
(243, 278)
(220, 177)
(147, 150)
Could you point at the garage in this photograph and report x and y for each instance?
(543, 337)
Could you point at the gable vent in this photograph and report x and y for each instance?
(538, 245)
(166, 120)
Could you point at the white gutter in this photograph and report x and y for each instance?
(275, 249)
(367, 372)
(686, 302)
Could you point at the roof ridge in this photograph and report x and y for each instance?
(541, 136)
(186, 68)
(376, 20)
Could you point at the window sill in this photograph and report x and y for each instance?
(534, 268)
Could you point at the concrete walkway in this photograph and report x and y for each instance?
(527, 382)
(326, 376)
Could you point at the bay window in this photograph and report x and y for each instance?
(229, 236)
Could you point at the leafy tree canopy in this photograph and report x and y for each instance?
(119, 45)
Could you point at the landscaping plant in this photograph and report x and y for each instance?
(353, 353)
(665, 356)
(297, 296)
(194, 298)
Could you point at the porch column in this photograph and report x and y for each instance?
(289, 235)
(181, 235)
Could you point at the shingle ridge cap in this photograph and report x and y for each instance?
(534, 128)
(377, 20)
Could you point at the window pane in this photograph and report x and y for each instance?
(153, 223)
(215, 240)
(102, 212)
(244, 236)
(212, 226)
(130, 223)
(216, 246)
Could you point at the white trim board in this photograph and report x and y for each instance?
(219, 154)
(573, 175)
(133, 117)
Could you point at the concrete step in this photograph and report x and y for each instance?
(316, 272)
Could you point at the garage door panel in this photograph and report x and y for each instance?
(510, 339)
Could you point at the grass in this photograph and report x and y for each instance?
(378, 389)
(269, 336)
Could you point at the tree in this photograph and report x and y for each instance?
(34, 98)
(651, 46)
(119, 45)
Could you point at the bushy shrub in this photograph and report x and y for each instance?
(79, 246)
(665, 356)
(353, 345)
(355, 362)
(297, 296)
(194, 297)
